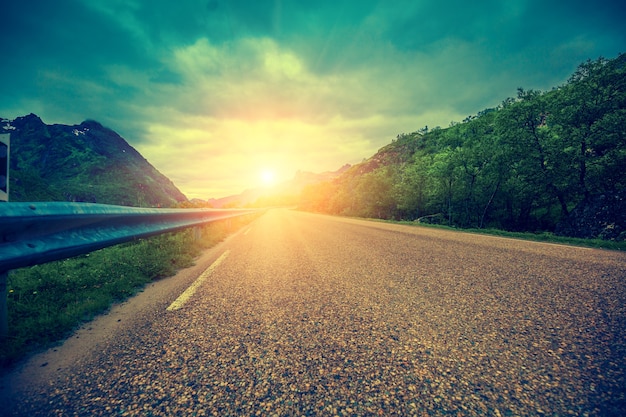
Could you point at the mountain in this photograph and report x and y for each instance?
(81, 163)
(286, 193)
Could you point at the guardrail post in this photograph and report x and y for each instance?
(197, 233)
(4, 310)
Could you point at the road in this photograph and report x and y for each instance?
(303, 314)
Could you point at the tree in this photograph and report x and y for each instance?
(412, 187)
(524, 165)
(588, 115)
(374, 193)
(535, 154)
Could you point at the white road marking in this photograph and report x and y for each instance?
(189, 292)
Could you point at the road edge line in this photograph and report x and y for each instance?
(189, 292)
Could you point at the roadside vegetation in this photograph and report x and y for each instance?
(47, 302)
(546, 237)
(548, 161)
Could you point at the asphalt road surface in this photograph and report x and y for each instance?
(302, 314)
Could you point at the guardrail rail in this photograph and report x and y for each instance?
(36, 233)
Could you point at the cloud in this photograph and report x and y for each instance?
(211, 90)
(251, 103)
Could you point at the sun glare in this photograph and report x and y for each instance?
(268, 177)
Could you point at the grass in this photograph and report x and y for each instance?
(537, 237)
(47, 302)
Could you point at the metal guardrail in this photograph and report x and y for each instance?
(35, 233)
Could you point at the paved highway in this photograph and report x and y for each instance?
(302, 314)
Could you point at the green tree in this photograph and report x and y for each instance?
(588, 116)
(535, 155)
(522, 166)
(444, 173)
(413, 185)
(482, 168)
(374, 194)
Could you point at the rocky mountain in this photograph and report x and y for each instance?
(81, 163)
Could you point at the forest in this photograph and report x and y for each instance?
(534, 163)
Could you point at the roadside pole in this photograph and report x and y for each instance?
(4, 310)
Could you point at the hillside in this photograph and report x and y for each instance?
(81, 163)
(542, 161)
(285, 193)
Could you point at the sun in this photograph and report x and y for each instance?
(268, 177)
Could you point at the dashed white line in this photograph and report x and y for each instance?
(189, 292)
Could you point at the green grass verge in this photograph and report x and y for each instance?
(537, 237)
(47, 302)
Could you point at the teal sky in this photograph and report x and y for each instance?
(214, 93)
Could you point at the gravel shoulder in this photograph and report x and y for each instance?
(56, 364)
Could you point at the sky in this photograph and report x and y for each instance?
(226, 95)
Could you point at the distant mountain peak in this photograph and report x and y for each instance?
(281, 194)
